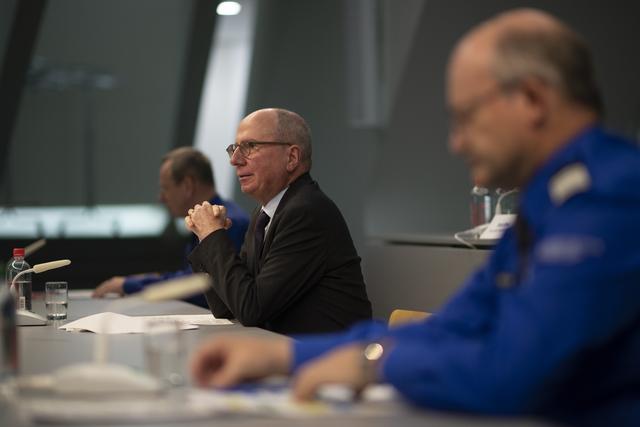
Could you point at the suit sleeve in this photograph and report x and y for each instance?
(218, 243)
(294, 262)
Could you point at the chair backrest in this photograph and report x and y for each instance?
(399, 317)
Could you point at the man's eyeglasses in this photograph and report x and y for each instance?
(462, 117)
(248, 147)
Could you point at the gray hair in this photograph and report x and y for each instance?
(294, 129)
(187, 161)
(560, 58)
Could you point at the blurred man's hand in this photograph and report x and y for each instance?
(113, 285)
(227, 360)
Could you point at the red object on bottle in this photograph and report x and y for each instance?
(481, 207)
(18, 252)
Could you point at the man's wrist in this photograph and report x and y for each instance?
(282, 356)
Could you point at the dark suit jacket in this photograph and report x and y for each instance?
(308, 278)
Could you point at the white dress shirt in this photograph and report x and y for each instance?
(271, 207)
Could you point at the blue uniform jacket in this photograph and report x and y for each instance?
(554, 333)
(237, 231)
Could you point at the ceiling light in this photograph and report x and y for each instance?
(228, 8)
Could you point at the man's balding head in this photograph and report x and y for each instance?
(519, 86)
(531, 43)
(286, 126)
(294, 129)
(277, 150)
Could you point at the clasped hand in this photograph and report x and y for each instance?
(204, 219)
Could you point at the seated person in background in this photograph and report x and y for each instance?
(298, 270)
(550, 327)
(186, 178)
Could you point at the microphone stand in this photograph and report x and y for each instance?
(26, 317)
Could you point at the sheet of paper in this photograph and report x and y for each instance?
(193, 319)
(115, 323)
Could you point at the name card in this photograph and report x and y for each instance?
(498, 225)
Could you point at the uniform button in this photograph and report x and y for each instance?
(505, 280)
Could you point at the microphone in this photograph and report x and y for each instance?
(179, 288)
(102, 378)
(176, 289)
(25, 317)
(51, 265)
(41, 268)
(34, 247)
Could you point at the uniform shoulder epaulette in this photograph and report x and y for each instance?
(569, 181)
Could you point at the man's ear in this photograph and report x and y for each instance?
(537, 100)
(293, 159)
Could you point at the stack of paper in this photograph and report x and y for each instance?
(114, 323)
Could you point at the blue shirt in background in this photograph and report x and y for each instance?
(240, 223)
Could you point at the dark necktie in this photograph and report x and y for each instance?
(261, 224)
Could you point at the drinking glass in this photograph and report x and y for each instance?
(56, 300)
(164, 351)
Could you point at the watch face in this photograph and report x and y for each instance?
(373, 351)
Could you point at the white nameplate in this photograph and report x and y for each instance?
(498, 225)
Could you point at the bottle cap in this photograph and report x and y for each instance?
(18, 252)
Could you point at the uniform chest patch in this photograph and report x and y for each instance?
(568, 249)
(569, 181)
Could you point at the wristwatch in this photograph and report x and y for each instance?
(371, 355)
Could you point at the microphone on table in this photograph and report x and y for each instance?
(182, 287)
(100, 377)
(25, 317)
(41, 268)
(34, 247)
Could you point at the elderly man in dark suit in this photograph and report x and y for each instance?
(298, 270)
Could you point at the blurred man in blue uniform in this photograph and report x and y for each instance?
(550, 326)
(186, 178)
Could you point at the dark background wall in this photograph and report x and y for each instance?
(399, 176)
(6, 16)
(142, 45)
(393, 174)
(300, 64)
(415, 180)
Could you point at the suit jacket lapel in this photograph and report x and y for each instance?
(294, 187)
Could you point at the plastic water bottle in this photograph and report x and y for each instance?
(8, 334)
(23, 284)
(481, 206)
(5, 272)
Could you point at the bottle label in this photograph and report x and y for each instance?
(22, 303)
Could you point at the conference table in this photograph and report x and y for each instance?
(42, 349)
